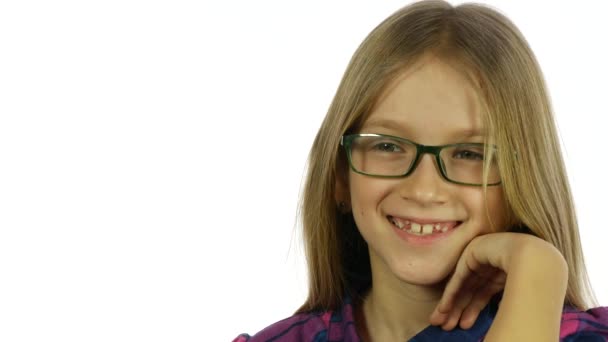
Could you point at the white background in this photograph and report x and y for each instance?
(152, 153)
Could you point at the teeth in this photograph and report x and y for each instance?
(427, 229)
(397, 223)
(417, 228)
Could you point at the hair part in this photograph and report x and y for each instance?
(488, 48)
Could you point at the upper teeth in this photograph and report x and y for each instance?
(420, 229)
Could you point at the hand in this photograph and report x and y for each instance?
(480, 273)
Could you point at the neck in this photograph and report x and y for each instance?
(395, 311)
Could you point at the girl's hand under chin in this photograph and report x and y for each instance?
(483, 270)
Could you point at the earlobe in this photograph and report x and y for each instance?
(342, 195)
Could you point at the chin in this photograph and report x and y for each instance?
(422, 274)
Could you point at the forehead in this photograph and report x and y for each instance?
(430, 101)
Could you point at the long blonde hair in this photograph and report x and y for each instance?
(518, 117)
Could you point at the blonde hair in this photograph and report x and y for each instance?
(517, 115)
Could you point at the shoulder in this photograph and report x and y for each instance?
(589, 325)
(301, 327)
(318, 326)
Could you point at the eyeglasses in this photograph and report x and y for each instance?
(388, 156)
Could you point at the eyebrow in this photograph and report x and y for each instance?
(394, 125)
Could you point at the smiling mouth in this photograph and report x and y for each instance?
(420, 229)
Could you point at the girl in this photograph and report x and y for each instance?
(436, 193)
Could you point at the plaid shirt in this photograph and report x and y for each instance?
(339, 326)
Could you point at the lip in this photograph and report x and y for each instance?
(423, 239)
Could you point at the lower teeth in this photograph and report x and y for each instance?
(412, 232)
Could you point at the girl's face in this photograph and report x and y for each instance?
(431, 104)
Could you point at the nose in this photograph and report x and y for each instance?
(425, 184)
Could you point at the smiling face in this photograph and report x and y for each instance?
(431, 104)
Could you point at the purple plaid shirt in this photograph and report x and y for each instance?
(339, 326)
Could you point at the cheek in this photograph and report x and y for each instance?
(367, 192)
(498, 209)
(474, 200)
(488, 212)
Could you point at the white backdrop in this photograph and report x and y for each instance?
(152, 152)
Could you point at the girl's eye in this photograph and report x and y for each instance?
(387, 147)
(469, 155)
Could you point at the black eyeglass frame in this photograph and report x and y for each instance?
(346, 142)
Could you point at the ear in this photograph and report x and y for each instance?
(342, 192)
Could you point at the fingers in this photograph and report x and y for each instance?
(474, 294)
(479, 274)
(449, 318)
(465, 300)
(479, 302)
(455, 313)
(463, 273)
